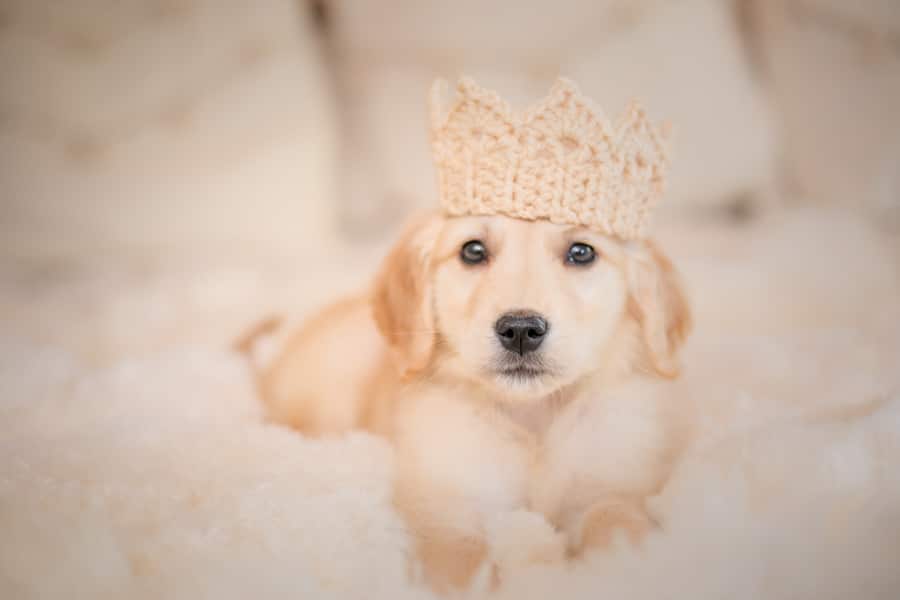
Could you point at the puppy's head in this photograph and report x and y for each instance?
(526, 307)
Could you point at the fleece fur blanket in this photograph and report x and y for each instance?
(136, 462)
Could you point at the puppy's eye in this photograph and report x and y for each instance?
(473, 252)
(580, 254)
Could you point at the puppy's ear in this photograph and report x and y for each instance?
(658, 303)
(401, 298)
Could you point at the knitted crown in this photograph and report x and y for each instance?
(560, 160)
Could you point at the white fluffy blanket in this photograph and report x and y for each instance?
(135, 463)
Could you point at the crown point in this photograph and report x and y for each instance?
(566, 84)
(633, 110)
(561, 160)
(562, 91)
(466, 86)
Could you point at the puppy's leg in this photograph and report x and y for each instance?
(609, 517)
(455, 467)
(447, 532)
(521, 539)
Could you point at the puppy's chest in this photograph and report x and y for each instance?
(587, 446)
(539, 457)
(531, 421)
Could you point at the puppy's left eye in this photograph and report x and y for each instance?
(580, 254)
(473, 252)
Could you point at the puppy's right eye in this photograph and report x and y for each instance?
(473, 252)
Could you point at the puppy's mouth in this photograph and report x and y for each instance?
(521, 369)
(522, 373)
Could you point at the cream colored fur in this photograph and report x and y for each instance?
(137, 462)
(582, 445)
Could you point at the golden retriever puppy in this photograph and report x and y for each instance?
(503, 358)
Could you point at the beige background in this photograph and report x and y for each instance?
(173, 170)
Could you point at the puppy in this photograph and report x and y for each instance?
(504, 359)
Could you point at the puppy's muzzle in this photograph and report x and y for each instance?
(521, 331)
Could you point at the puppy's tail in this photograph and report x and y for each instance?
(247, 343)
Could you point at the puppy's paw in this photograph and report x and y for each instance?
(520, 539)
(450, 563)
(607, 519)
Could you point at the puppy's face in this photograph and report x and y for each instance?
(522, 307)
(525, 306)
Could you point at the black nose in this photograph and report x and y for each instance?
(521, 331)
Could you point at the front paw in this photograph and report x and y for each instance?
(520, 539)
(606, 519)
(449, 562)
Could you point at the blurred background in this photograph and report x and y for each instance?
(173, 169)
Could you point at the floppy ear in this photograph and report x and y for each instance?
(401, 298)
(658, 303)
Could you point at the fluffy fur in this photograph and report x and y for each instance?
(137, 462)
(416, 360)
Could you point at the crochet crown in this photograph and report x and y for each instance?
(560, 160)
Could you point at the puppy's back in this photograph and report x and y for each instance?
(318, 384)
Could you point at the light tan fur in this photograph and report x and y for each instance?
(412, 359)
